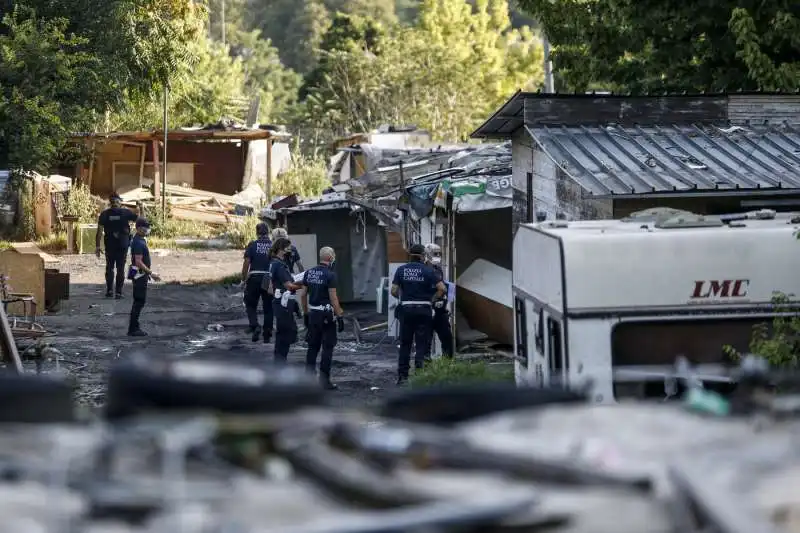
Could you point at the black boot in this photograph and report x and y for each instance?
(256, 334)
(325, 381)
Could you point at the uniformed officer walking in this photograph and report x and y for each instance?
(256, 280)
(284, 304)
(417, 287)
(292, 258)
(140, 273)
(114, 224)
(441, 315)
(323, 315)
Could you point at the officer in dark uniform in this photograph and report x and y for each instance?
(292, 258)
(322, 315)
(284, 304)
(441, 315)
(256, 281)
(140, 273)
(114, 224)
(417, 287)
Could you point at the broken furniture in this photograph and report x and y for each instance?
(25, 325)
(33, 272)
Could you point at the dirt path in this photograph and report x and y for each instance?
(91, 331)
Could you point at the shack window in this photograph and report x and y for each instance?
(554, 346)
(522, 329)
(701, 341)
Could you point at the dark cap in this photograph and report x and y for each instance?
(416, 249)
(142, 223)
(262, 228)
(115, 196)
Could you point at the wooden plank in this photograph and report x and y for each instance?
(395, 252)
(204, 215)
(177, 190)
(7, 343)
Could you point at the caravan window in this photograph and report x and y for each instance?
(539, 335)
(522, 329)
(660, 342)
(554, 349)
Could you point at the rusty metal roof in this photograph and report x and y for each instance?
(615, 160)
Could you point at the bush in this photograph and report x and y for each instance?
(778, 342)
(307, 177)
(162, 227)
(80, 203)
(240, 233)
(450, 371)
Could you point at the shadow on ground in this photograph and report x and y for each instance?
(181, 319)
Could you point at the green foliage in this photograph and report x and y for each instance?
(307, 176)
(64, 63)
(199, 93)
(26, 229)
(445, 74)
(778, 342)
(241, 233)
(452, 371)
(668, 45)
(80, 203)
(265, 75)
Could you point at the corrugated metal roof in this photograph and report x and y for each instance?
(424, 164)
(614, 160)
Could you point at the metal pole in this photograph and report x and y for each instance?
(223, 21)
(548, 67)
(164, 171)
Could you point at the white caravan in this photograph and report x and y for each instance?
(595, 301)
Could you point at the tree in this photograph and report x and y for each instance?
(667, 45)
(66, 62)
(200, 93)
(445, 74)
(265, 75)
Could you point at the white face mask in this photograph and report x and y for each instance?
(436, 259)
(146, 231)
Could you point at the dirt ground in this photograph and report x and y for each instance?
(90, 330)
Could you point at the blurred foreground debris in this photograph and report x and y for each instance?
(214, 445)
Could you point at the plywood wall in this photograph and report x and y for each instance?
(26, 273)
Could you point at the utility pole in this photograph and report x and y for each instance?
(548, 67)
(164, 172)
(223, 20)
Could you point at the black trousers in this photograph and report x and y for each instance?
(285, 328)
(139, 299)
(416, 323)
(253, 295)
(116, 254)
(321, 335)
(441, 325)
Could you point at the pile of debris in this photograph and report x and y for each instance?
(212, 445)
(196, 205)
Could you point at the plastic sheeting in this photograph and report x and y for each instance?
(481, 194)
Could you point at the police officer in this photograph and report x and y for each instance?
(441, 315)
(322, 315)
(140, 273)
(256, 281)
(292, 258)
(417, 286)
(284, 304)
(114, 224)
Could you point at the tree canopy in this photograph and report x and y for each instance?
(667, 45)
